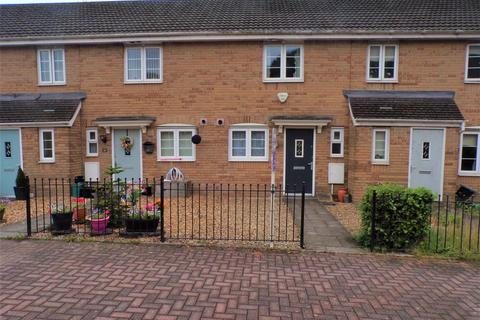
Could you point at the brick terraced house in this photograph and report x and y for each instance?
(356, 92)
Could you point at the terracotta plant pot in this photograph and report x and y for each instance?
(62, 221)
(79, 214)
(341, 194)
(99, 225)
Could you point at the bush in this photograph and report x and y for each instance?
(402, 217)
(21, 180)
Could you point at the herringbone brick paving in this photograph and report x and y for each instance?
(59, 280)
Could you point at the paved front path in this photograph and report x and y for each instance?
(324, 233)
(58, 280)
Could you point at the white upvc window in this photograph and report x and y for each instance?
(472, 64)
(248, 143)
(382, 64)
(336, 142)
(470, 154)
(47, 145)
(51, 66)
(381, 146)
(143, 65)
(175, 143)
(283, 63)
(92, 143)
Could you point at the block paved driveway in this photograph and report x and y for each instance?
(58, 280)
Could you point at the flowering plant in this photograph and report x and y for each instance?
(58, 208)
(149, 212)
(99, 214)
(4, 203)
(79, 202)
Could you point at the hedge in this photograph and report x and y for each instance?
(402, 217)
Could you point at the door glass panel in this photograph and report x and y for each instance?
(299, 143)
(8, 149)
(426, 151)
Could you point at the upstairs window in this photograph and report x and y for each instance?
(382, 63)
(336, 142)
(47, 145)
(283, 63)
(470, 154)
(143, 64)
(472, 72)
(175, 143)
(92, 143)
(248, 143)
(51, 66)
(381, 146)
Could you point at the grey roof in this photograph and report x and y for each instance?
(238, 16)
(39, 107)
(403, 105)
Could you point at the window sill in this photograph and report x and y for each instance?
(92, 156)
(143, 82)
(175, 160)
(468, 174)
(378, 163)
(46, 161)
(52, 84)
(248, 160)
(382, 81)
(473, 81)
(336, 156)
(283, 80)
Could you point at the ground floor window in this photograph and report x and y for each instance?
(380, 148)
(336, 142)
(92, 143)
(470, 153)
(47, 145)
(248, 143)
(175, 144)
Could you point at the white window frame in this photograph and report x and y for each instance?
(469, 173)
(143, 66)
(382, 64)
(42, 150)
(52, 81)
(248, 143)
(90, 141)
(341, 141)
(467, 79)
(176, 143)
(283, 62)
(387, 147)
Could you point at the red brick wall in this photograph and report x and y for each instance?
(224, 80)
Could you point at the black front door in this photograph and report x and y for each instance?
(299, 160)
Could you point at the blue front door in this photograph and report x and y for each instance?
(128, 160)
(10, 160)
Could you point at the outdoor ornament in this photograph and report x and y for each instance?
(174, 174)
(126, 144)
(196, 139)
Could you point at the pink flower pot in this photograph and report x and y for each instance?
(99, 225)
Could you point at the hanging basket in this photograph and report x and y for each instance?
(126, 143)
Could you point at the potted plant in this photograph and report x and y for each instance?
(3, 207)
(143, 221)
(61, 218)
(99, 221)
(21, 183)
(79, 209)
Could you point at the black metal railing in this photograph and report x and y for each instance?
(454, 225)
(169, 210)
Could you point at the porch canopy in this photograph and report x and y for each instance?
(125, 122)
(317, 122)
(403, 108)
(39, 109)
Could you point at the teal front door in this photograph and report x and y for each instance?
(129, 159)
(10, 160)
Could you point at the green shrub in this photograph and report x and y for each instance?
(402, 218)
(21, 180)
